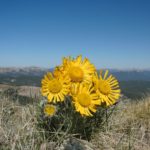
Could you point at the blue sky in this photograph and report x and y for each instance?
(111, 33)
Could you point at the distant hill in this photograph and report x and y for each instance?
(133, 83)
(135, 89)
(22, 76)
(132, 75)
(14, 71)
(121, 75)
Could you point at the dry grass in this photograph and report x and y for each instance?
(128, 128)
(18, 126)
(30, 91)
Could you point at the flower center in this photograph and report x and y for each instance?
(54, 86)
(49, 110)
(76, 74)
(104, 87)
(84, 99)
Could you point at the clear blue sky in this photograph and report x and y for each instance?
(111, 33)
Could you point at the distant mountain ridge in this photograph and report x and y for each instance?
(133, 83)
(35, 71)
(122, 75)
(132, 75)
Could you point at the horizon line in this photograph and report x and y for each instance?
(97, 68)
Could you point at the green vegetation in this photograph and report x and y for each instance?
(134, 89)
(20, 80)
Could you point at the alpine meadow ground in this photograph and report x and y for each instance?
(128, 127)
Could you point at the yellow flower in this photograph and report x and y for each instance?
(57, 71)
(107, 88)
(78, 70)
(85, 100)
(49, 110)
(55, 88)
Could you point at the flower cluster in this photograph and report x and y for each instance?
(78, 79)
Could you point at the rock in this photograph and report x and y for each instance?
(76, 144)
